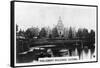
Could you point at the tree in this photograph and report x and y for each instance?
(66, 32)
(16, 27)
(92, 36)
(55, 32)
(85, 34)
(79, 33)
(42, 33)
(28, 34)
(32, 32)
(21, 33)
(70, 35)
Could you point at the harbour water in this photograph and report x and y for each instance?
(44, 51)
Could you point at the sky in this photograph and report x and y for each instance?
(43, 15)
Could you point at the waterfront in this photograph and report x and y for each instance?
(43, 51)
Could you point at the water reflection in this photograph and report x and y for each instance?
(34, 53)
(84, 53)
(57, 51)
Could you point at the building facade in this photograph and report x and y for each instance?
(60, 27)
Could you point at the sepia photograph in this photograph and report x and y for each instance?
(54, 33)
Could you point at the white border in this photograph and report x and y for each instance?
(41, 63)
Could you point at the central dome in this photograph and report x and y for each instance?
(60, 26)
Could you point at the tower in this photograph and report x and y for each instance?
(60, 27)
